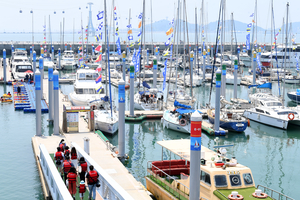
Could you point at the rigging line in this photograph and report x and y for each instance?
(213, 69)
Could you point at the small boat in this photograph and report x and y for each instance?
(291, 79)
(228, 120)
(106, 120)
(150, 99)
(5, 100)
(68, 60)
(220, 177)
(294, 96)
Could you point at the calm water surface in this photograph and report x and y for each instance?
(272, 154)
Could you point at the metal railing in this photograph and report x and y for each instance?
(57, 187)
(109, 188)
(274, 194)
(185, 191)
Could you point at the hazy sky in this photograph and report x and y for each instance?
(13, 20)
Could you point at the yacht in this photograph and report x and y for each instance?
(20, 69)
(106, 120)
(150, 99)
(68, 60)
(220, 177)
(271, 112)
(84, 93)
(245, 58)
(48, 62)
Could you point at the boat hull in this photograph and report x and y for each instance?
(294, 97)
(106, 127)
(230, 126)
(175, 126)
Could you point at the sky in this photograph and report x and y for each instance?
(13, 20)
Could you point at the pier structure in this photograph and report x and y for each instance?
(116, 181)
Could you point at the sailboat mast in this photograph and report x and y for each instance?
(129, 28)
(143, 38)
(231, 39)
(178, 36)
(184, 49)
(50, 35)
(286, 41)
(105, 25)
(271, 63)
(82, 38)
(73, 31)
(151, 29)
(196, 41)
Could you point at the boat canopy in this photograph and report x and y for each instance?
(264, 85)
(176, 103)
(145, 84)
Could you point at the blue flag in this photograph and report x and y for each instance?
(248, 41)
(118, 46)
(100, 15)
(129, 26)
(258, 62)
(130, 37)
(165, 75)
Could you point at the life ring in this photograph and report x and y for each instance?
(262, 196)
(248, 122)
(291, 116)
(239, 197)
(182, 122)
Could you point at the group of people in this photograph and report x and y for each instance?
(70, 166)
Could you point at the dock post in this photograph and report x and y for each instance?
(208, 53)
(70, 47)
(254, 68)
(12, 51)
(50, 93)
(147, 56)
(223, 83)
(121, 134)
(56, 102)
(196, 126)
(4, 66)
(86, 145)
(123, 67)
(66, 47)
(38, 96)
(52, 53)
(93, 50)
(192, 69)
(204, 59)
(30, 54)
(158, 56)
(235, 79)
(154, 71)
(41, 69)
(59, 67)
(34, 64)
(132, 89)
(217, 102)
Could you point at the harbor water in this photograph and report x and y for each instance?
(271, 153)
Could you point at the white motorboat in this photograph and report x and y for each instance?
(84, 93)
(148, 73)
(148, 100)
(68, 60)
(115, 74)
(291, 79)
(171, 120)
(105, 120)
(20, 69)
(48, 62)
(230, 79)
(245, 58)
(273, 113)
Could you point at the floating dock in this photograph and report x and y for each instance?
(26, 99)
(140, 115)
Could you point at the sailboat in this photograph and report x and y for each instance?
(106, 117)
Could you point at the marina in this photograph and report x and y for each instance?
(115, 114)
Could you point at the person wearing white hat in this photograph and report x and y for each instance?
(82, 189)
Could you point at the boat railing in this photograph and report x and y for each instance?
(273, 193)
(168, 185)
(109, 188)
(53, 179)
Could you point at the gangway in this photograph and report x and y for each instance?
(109, 188)
(57, 187)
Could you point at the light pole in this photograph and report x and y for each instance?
(32, 28)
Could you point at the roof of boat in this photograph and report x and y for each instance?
(182, 148)
(86, 70)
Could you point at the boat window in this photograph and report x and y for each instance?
(23, 68)
(85, 91)
(274, 104)
(95, 75)
(259, 110)
(267, 113)
(91, 91)
(247, 179)
(205, 177)
(89, 76)
(235, 180)
(81, 76)
(286, 113)
(220, 181)
(79, 91)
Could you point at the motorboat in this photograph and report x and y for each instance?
(291, 79)
(150, 99)
(68, 60)
(245, 58)
(85, 86)
(294, 96)
(21, 69)
(48, 62)
(271, 112)
(229, 120)
(220, 177)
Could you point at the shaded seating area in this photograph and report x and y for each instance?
(171, 167)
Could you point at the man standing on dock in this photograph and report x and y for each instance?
(92, 178)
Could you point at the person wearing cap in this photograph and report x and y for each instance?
(62, 145)
(82, 189)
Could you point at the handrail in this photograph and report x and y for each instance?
(222, 194)
(54, 181)
(280, 195)
(170, 177)
(109, 189)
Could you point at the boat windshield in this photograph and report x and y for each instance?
(220, 181)
(274, 104)
(23, 68)
(286, 113)
(19, 60)
(85, 91)
(87, 76)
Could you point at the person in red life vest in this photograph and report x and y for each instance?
(82, 168)
(74, 157)
(58, 159)
(67, 166)
(72, 175)
(62, 145)
(82, 189)
(67, 151)
(92, 178)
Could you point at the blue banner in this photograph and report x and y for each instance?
(121, 93)
(297, 65)
(248, 41)
(118, 46)
(195, 143)
(165, 74)
(258, 62)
